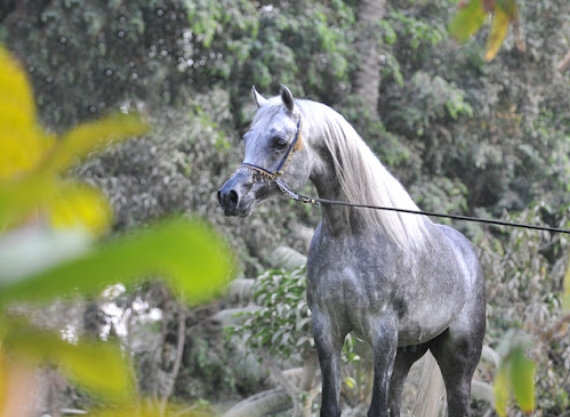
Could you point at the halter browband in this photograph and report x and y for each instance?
(296, 145)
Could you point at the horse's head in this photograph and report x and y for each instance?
(274, 152)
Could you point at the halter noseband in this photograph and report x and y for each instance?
(296, 145)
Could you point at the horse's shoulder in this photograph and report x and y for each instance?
(454, 235)
(461, 245)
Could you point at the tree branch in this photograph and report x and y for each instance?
(565, 63)
(181, 339)
(278, 375)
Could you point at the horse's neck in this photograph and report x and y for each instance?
(334, 217)
(337, 219)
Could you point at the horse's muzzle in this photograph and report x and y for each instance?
(231, 195)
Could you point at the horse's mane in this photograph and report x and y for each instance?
(363, 179)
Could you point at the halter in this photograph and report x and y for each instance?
(296, 145)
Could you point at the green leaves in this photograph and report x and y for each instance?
(515, 375)
(31, 159)
(55, 254)
(283, 323)
(471, 16)
(467, 21)
(88, 137)
(81, 362)
(22, 142)
(188, 253)
(499, 29)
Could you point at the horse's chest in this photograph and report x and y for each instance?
(342, 293)
(345, 274)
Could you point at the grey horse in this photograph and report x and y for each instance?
(398, 281)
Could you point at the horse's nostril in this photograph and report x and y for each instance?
(233, 197)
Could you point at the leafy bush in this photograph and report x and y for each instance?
(282, 325)
(526, 314)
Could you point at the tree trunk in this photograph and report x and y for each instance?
(367, 80)
(266, 402)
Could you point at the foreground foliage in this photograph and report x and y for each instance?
(49, 250)
(472, 14)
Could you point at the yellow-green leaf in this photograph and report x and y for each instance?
(502, 388)
(98, 366)
(79, 205)
(350, 382)
(15, 87)
(499, 29)
(509, 7)
(18, 198)
(22, 142)
(467, 21)
(92, 136)
(522, 380)
(194, 258)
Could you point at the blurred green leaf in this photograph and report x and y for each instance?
(30, 158)
(522, 380)
(509, 7)
(78, 205)
(22, 142)
(27, 251)
(471, 16)
(515, 374)
(467, 21)
(499, 29)
(97, 366)
(66, 203)
(501, 387)
(92, 136)
(18, 198)
(350, 382)
(189, 253)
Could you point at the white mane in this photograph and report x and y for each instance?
(363, 179)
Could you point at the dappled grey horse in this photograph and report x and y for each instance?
(398, 281)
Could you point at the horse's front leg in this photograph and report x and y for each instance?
(329, 339)
(384, 345)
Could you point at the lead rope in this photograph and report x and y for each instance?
(297, 144)
(314, 200)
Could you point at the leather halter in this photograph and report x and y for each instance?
(296, 145)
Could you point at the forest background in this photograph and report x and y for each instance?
(465, 136)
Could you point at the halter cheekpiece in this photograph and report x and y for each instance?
(296, 145)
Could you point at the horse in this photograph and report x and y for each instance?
(397, 280)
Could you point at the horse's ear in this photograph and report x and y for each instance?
(259, 99)
(287, 98)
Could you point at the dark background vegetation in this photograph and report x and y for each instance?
(465, 137)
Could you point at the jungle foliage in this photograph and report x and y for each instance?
(464, 135)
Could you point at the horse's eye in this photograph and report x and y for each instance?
(278, 143)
